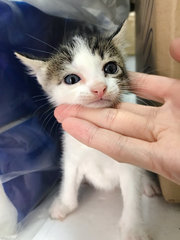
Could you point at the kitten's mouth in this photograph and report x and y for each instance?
(100, 103)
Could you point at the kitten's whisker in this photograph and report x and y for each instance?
(36, 111)
(38, 100)
(37, 39)
(48, 117)
(48, 120)
(42, 106)
(55, 129)
(41, 95)
(54, 124)
(65, 27)
(38, 50)
(44, 113)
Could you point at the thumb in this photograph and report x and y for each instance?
(175, 49)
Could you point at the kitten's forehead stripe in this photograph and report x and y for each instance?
(103, 46)
(66, 54)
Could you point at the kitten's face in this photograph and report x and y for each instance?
(89, 72)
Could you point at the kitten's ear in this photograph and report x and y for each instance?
(118, 37)
(35, 67)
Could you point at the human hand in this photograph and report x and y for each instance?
(146, 136)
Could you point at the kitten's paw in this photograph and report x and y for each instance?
(59, 210)
(135, 236)
(150, 186)
(133, 232)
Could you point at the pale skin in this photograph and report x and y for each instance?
(145, 136)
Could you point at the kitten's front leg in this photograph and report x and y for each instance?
(67, 199)
(131, 222)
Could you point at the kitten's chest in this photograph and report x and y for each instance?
(96, 167)
(81, 153)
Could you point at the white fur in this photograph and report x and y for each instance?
(80, 161)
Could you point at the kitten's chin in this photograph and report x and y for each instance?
(100, 104)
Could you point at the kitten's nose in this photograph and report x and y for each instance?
(99, 89)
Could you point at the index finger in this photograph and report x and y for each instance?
(116, 120)
(151, 87)
(121, 148)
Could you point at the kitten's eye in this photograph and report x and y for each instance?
(71, 79)
(110, 68)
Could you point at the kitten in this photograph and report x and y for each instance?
(90, 71)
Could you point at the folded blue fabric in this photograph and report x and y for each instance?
(29, 156)
(29, 165)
